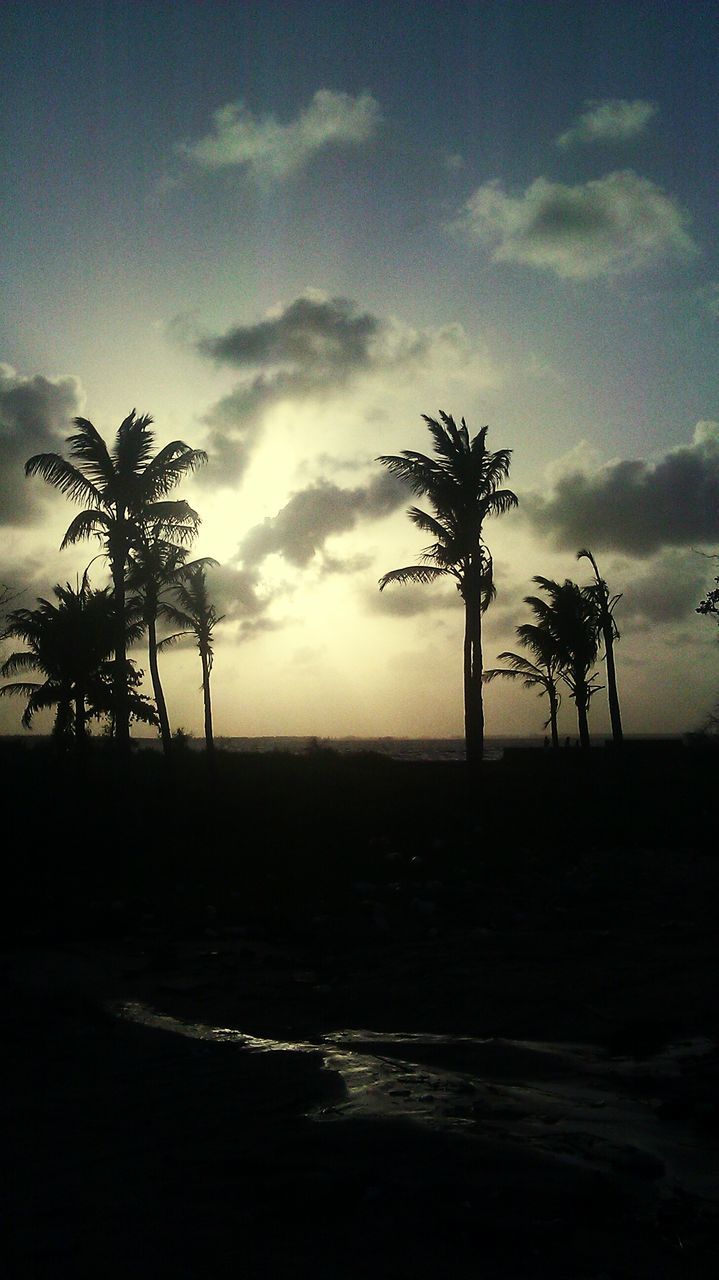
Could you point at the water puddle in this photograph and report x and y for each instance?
(570, 1101)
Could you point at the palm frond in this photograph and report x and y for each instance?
(420, 573)
(21, 661)
(63, 476)
(86, 525)
(168, 468)
(88, 445)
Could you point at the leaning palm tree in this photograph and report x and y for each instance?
(119, 488)
(568, 624)
(462, 484)
(542, 674)
(68, 644)
(193, 612)
(606, 605)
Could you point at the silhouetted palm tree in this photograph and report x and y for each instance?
(68, 644)
(543, 674)
(568, 623)
(610, 632)
(121, 488)
(193, 613)
(156, 565)
(462, 484)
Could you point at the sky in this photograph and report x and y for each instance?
(287, 232)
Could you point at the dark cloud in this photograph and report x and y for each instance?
(636, 506)
(311, 350)
(35, 417)
(235, 594)
(312, 515)
(313, 332)
(666, 591)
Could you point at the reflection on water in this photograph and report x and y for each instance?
(570, 1101)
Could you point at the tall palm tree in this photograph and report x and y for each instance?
(120, 488)
(606, 605)
(542, 674)
(193, 612)
(462, 484)
(568, 623)
(68, 644)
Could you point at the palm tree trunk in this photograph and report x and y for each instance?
(80, 721)
(612, 693)
(209, 740)
(165, 732)
(582, 718)
(553, 710)
(119, 680)
(473, 704)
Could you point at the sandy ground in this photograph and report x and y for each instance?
(380, 1093)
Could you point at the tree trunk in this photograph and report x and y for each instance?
(582, 718)
(612, 693)
(119, 679)
(553, 710)
(165, 732)
(80, 721)
(473, 703)
(209, 740)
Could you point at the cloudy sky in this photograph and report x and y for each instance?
(289, 230)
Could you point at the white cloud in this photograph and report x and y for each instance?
(270, 149)
(609, 226)
(610, 120)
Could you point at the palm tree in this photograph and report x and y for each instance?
(568, 624)
(462, 485)
(120, 488)
(193, 613)
(68, 644)
(606, 605)
(156, 564)
(542, 674)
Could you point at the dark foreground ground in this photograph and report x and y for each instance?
(343, 1017)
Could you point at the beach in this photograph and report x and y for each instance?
(400, 1022)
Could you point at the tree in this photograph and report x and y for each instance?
(606, 605)
(68, 644)
(462, 484)
(193, 612)
(709, 606)
(568, 624)
(120, 488)
(542, 674)
(156, 565)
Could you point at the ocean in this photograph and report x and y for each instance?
(396, 748)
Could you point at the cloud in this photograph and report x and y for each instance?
(301, 528)
(312, 349)
(34, 418)
(635, 506)
(323, 336)
(409, 601)
(668, 590)
(271, 150)
(609, 226)
(609, 120)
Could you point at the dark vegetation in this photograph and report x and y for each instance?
(282, 838)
